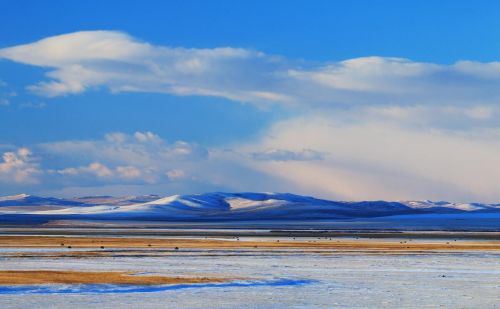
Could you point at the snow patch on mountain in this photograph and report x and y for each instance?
(236, 203)
(426, 204)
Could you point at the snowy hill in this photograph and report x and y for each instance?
(237, 206)
(220, 206)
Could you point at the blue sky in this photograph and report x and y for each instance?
(340, 99)
(435, 31)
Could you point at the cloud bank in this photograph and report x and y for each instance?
(355, 161)
(379, 159)
(364, 128)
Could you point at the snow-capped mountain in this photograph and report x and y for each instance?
(223, 207)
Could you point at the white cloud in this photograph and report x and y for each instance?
(142, 149)
(369, 128)
(376, 159)
(147, 137)
(82, 60)
(95, 168)
(19, 167)
(99, 169)
(73, 47)
(369, 74)
(142, 157)
(98, 173)
(143, 160)
(116, 137)
(357, 159)
(105, 173)
(104, 58)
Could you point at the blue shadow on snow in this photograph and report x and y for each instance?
(126, 288)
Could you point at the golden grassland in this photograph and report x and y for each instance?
(19, 277)
(183, 243)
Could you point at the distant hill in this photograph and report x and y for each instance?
(219, 206)
(32, 200)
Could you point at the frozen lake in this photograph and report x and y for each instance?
(274, 279)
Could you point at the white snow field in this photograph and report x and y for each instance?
(274, 279)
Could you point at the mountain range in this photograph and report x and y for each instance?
(219, 206)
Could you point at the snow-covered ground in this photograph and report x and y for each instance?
(282, 280)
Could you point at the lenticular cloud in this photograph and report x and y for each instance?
(83, 60)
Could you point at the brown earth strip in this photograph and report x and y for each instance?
(15, 277)
(361, 244)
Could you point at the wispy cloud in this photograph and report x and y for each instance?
(92, 59)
